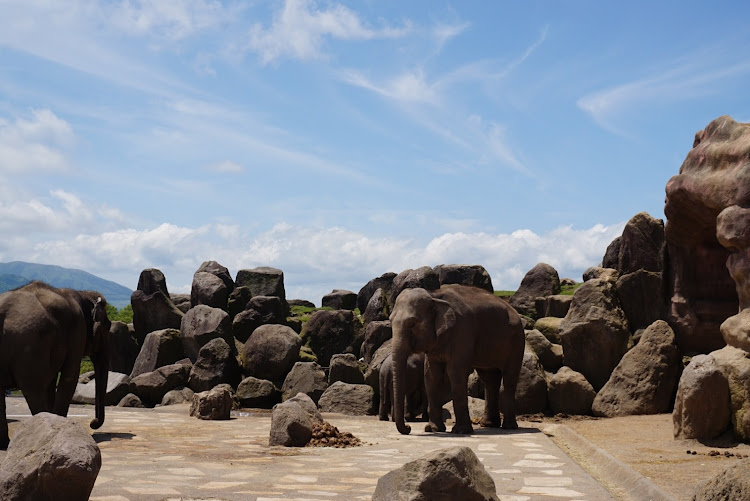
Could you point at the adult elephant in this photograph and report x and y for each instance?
(459, 327)
(45, 331)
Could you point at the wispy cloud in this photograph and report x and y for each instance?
(699, 77)
(299, 29)
(176, 19)
(39, 142)
(409, 87)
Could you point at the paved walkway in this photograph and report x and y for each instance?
(164, 454)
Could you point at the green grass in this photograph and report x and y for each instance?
(504, 293)
(569, 290)
(86, 365)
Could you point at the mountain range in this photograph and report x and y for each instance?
(17, 273)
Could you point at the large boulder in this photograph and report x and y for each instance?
(160, 348)
(340, 299)
(570, 393)
(122, 347)
(151, 387)
(735, 365)
(177, 396)
(466, 274)
(377, 308)
(376, 333)
(181, 301)
(641, 245)
(731, 484)
(446, 474)
(201, 324)
(549, 327)
(345, 367)
(712, 178)
(384, 282)
(292, 421)
(531, 392)
(216, 364)
(701, 409)
(215, 404)
(50, 458)
(263, 281)
(556, 305)
(238, 300)
(550, 355)
(260, 310)
(424, 277)
(209, 290)
(305, 377)
(219, 271)
(645, 379)
(271, 351)
(330, 332)
(541, 280)
(372, 373)
(118, 385)
(257, 393)
(641, 295)
(611, 257)
(346, 398)
(152, 307)
(595, 332)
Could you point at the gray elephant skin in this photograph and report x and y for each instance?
(416, 397)
(45, 331)
(459, 328)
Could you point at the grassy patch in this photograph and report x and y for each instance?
(504, 293)
(86, 365)
(569, 290)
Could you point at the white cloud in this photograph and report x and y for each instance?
(700, 77)
(173, 19)
(314, 260)
(299, 28)
(410, 86)
(39, 142)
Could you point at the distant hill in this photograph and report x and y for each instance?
(18, 273)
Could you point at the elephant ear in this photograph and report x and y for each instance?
(445, 317)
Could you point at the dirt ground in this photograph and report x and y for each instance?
(646, 444)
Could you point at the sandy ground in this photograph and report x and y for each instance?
(646, 444)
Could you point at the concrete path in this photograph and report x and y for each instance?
(164, 454)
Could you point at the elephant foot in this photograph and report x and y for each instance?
(490, 422)
(462, 429)
(383, 417)
(510, 424)
(432, 427)
(4, 443)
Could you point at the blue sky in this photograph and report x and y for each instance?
(341, 140)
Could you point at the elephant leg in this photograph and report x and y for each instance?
(491, 380)
(66, 387)
(386, 400)
(434, 380)
(38, 401)
(459, 391)
(4, 440)
(508, 397)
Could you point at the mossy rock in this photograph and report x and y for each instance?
(307, 355)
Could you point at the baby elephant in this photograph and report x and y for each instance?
(416, 397)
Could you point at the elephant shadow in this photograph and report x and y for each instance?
(109, 437)
(486, 432)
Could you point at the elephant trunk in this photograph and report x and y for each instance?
(400, 355)
(101, 374)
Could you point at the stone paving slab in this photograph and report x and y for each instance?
(164, 454)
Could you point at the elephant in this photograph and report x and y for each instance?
(458, 327)
(416, 397)
(45, 332)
